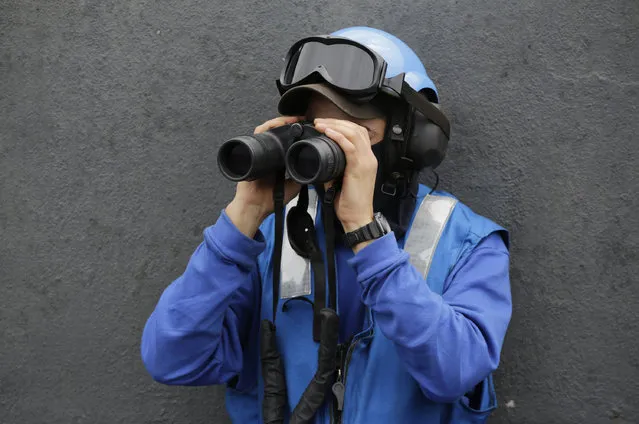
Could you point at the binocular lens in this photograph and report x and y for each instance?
(306, 162)
(248, 158)
(315, 160)
(236, 159)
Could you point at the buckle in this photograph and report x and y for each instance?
(394, 84)
(278, 195)
(389, 191)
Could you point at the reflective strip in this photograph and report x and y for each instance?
(423, 238)
(296, 271)
(426, 230)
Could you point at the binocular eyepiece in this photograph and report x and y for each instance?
(308, 156)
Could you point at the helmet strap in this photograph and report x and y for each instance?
(396, 167)
(396, 186)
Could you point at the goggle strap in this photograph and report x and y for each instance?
(429, 110)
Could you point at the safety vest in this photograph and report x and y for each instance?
(441, 231)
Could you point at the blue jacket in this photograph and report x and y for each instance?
(424, 349)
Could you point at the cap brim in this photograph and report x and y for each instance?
(295, 101)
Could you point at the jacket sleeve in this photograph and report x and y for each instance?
(196, 334)
(449, 343)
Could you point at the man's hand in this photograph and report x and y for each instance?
(354, 205)
(253, 200)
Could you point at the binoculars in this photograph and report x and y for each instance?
(307, 156)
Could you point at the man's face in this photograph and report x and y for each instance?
(320, 107)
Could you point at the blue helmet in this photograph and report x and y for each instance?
(421, 127)
(399, 57)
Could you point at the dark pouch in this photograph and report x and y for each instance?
(475, 407)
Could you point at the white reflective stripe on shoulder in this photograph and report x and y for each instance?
(426, 230)
(295, 270)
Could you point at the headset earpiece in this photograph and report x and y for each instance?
(427, 144)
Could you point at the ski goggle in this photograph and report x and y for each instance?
(341, 62)
(354, 69)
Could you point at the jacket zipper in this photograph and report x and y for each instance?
(339, 388)
(343, 358)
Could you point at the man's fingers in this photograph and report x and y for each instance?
(357, 134)
(361, 158)
(347, 146)
(277, 122)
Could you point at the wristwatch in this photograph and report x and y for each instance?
(376, 229)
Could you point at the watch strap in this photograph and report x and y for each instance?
(368, 232)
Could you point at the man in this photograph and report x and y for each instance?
(423, 303)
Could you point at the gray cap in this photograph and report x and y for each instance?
(295, 101)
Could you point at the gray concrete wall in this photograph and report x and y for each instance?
(110, 116)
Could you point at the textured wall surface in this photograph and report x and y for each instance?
(111, 113)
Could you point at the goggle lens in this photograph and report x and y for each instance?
(343, 65)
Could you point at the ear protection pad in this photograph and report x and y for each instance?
(301, 231)
(427, 144)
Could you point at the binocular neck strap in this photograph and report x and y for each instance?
(326, 321)
(319, 278)
(315, 393)
(278, 203)
(301, 236)
(328, 216)
(275, 399)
